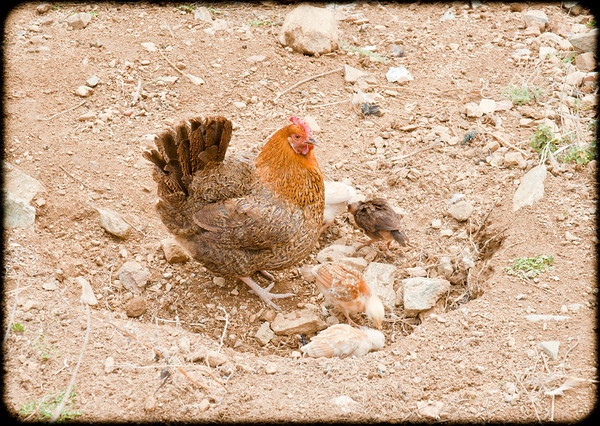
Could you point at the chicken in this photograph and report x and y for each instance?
(346, 289)
(343, 340)
(379, 221)
(337, 197)
(233, 215)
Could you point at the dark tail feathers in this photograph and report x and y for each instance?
(187, 148)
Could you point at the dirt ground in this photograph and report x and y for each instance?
(475, 359)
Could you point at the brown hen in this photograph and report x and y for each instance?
(235, 216)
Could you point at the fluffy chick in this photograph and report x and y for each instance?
(379, 221)
(346, 289)
(343, 340)
(337, 197)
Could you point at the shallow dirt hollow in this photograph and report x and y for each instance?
(475, 358)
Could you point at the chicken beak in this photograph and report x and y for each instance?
(312, 141)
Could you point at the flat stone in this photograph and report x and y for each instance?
(203, 14)
(20, 184)
(487, 106)
(420, 294)
(550, 348)
(473, 110)
(352, 75)
(585, 62)
(17, 212)
(84, 91)
(531, 188)
(535, 17)
(585, 42)
(304, 321)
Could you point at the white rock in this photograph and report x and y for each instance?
(92, 81)
(87, 294)
(220, 25)
(203, 14)
(84, 91)
(550, 348)
(575, 78)
(461, 210)
(256, 58)
(473, 110)
(352, 75)
(420, 294)
(380, 278)
(531, 188)
(430, 409)
(345, 404)
(17, 212)
(445, 267)
(149, 46)
(487, 106)
(541, 317)
(417, 271)
(398, 75)
(312, 123)
(109, 365)
(310, 30)
(436, 223)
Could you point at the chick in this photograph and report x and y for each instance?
(346, 289)
(343, 340)
(337, 197)
(379, 221)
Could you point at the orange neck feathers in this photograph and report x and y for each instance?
(294, 176)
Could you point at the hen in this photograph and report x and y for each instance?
(346, 289)
(235, 216)
(343, 340)
(379, 221)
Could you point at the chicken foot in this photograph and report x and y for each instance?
(264, 293)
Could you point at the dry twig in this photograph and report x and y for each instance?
(306, 80)
(63, 112)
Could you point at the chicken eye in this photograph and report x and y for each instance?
(296, 136)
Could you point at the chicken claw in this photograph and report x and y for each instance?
(264, 293)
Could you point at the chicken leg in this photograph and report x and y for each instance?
(264, 293)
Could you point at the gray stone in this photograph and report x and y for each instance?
(264, 334)
(113, 223)
(461, 210)
(20, 184)
(78, 21)
(531, 188)
(133, 276)
(310, 30)
(17, 212)
(535, 17)
(421, 294)
(586, 42)
(380, 278)
(304, 321)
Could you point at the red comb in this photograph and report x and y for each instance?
(299, 122)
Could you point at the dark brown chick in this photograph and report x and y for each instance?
(379, 221)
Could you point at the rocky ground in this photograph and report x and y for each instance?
(92, 293)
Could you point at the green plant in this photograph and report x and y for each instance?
(543, 139)
(18, 328)
(44, 408)
(529, 267)
(186, 8)
(363, 52)
(46, 350)
(522, 94)
(258, 23)
(580, 155)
